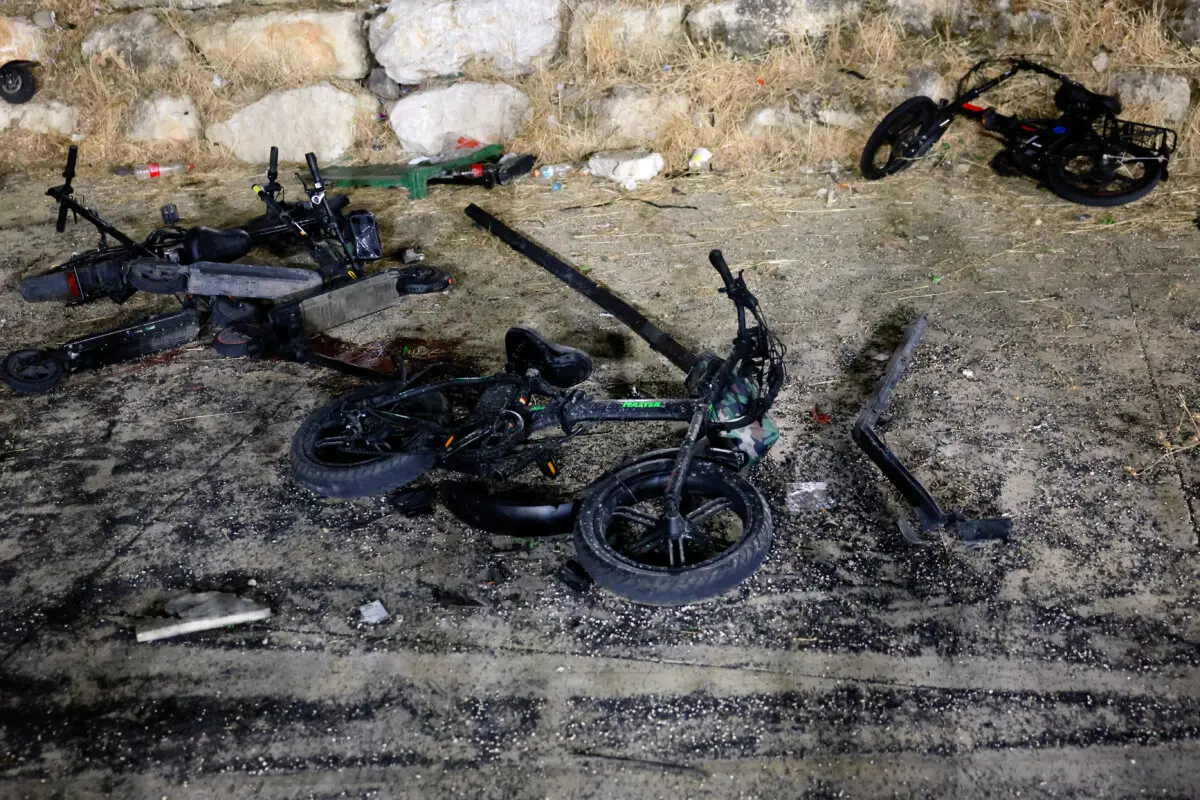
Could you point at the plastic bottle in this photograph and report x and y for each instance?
(551, 173)
(152, 170)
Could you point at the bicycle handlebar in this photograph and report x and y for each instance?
(717, 259)
(68, 174)
(311, 158)
(273, 165)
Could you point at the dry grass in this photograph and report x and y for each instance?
(721, 90)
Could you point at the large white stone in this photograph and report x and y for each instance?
(1189, 24)
(630, 116)
(20, 40)
(1168, 92)
(318, 119)
(141, 40)
(47, 116)
(633, 30)
(761, 121)
(183, 5)
(325, 44)
(921, 15)
(749, 27)
(165, 118)
(489, 112)
(418, 39)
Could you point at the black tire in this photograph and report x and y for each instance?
(647, 577)
(227, 311)
(17, 84)
(356, 467)
(32, 371)
(895, 134)
(240, 339)
(156, 276)
(48, 288)
(422, 280)
(1081, 171)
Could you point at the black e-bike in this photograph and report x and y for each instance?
(1086, 155)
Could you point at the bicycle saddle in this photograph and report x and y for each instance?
(1072, 97)
(209, 244)
(561, 366)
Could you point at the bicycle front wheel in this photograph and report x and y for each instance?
(896, 142)
(620, 533)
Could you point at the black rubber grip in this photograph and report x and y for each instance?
(273, 165)
(47, 288)
(312, 168)
(72, 157)
(60, 224)
(718, 260)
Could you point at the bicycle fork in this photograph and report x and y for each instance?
(676, 527)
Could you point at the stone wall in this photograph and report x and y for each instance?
(352, 79)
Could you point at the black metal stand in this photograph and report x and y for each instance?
(930, 516)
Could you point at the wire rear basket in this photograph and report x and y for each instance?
(1148, 137)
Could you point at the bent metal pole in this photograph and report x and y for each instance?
(656, 337)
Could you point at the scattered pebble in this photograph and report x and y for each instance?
(373, 612)
(968, 373)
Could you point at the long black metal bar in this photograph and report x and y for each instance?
(656, 337)
(929, 514)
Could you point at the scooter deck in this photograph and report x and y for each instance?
(257, 281)
(350, 302)
(135, 341)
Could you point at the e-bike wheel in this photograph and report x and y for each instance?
(896, 141)
(1098, 172)
(620, 539)
(368, 442)
(32, 371)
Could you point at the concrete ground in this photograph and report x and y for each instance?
(1065, 663)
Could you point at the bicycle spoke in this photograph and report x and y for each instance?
(646, 544)
(708, 509)
(635, 516)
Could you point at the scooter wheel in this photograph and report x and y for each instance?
(240, 339)
(226, 312)
(32, 371)
(156, 277)
(422, 280)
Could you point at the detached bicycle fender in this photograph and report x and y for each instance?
(508, 513)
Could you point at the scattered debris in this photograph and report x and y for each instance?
(623, 166)
(808, 496)
(819, 416)
(967, 373)
(1100, 62)
(700, 158)
(374, 613)
(201, 611)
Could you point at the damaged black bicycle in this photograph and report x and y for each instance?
(1086, 155)
(668, 527)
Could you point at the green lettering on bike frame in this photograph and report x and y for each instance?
(641, 404)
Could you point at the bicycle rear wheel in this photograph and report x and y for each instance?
(620, 539)
(896, 142)
(1098, 172)
(369, 442)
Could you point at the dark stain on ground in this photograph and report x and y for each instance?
(387, 356)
